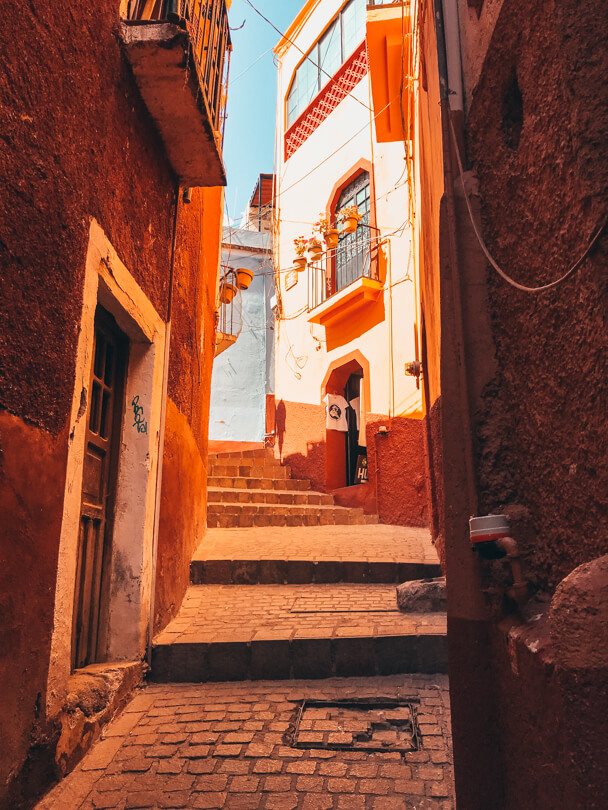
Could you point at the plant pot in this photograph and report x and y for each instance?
(331, 238)
(300, 262)
(227, 291)
(350, 224)
(244, 277)
(315, 250)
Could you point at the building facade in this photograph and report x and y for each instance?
(110, 228)
(348, 321)
(510, 153)
(242, 388)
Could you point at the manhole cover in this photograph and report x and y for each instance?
(378, 724)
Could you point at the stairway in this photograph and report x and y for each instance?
(252, 488)
(279, 602)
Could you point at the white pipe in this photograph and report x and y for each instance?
(453, 53)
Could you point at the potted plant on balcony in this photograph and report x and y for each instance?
(330, 235)
(315, 249)
(349, 216)
(227, 291)
(300, 244)
(244, 277)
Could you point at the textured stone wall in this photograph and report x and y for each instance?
(538, 139)
(76, 143)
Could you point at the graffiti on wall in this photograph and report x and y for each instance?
(138, 415)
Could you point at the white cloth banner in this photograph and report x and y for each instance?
(336, 412)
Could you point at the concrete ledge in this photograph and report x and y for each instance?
(296, 572)
(95, 695)
(279, 659)
(170, 87)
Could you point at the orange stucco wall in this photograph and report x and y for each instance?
(430, 188)
(397, 489)
(184, 487)
(182, 514)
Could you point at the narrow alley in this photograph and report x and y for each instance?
(235, 715)
(303, 397)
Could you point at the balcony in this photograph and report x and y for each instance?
(348, 283)
(346, 303)
(179, 51)
(229, 313)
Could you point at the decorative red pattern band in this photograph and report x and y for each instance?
(349, 75)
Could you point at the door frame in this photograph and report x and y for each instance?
(99, 597)
(108, 283)
(338, 372)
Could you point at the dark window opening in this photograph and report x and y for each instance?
(512, 113)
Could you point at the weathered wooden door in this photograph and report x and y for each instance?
(104, 416)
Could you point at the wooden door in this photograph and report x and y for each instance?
(104, 416)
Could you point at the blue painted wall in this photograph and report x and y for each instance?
(244, 373)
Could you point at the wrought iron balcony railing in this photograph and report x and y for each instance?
(206, 22)
(354, 258)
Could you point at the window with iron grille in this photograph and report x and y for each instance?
(354, 254)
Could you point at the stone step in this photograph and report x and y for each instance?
(270, 496)
(266, 453)
(221, 633)
(246, 461)
(225, 482)
(228, 470)
(302, 572)
(232, 515)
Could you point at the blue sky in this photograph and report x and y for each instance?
(249, 141)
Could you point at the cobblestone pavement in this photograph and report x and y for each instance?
(374, 543)
(228, 745)
(233, 613)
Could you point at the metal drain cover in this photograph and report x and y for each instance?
(374, 724)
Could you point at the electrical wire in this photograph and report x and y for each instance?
(291, 42)
(247, 69)
(489, 256)
(335, 152)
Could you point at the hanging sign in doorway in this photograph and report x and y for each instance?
(361, 472)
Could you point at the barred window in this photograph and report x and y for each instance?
(353, 254)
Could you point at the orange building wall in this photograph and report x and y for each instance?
(396, 490)
(184, 487)
(79, 146)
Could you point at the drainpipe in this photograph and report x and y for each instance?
(161, 436)
(478, 763)
(444, 92)
(453, 54)
(260, 203)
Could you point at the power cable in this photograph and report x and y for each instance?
(308, 58)
(489, 256)
(247, 69)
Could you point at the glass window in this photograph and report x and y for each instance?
(292, 103)
(353, 254)
(353, 26)
(330, 53)
(325, 57)
(308, 82)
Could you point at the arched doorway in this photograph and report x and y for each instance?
(346, 385)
